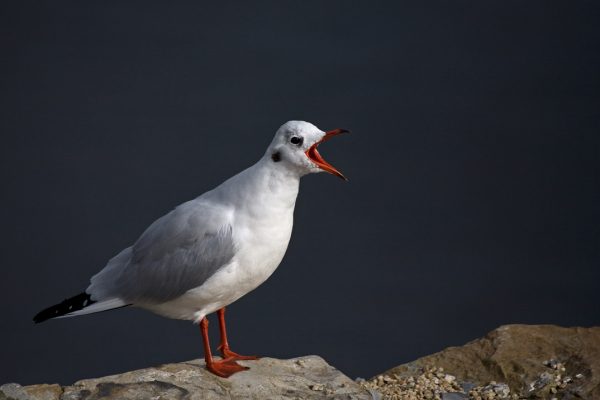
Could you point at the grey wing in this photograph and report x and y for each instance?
(178, 252)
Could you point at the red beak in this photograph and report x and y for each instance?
(313, 154)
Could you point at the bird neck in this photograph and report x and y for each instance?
(264, 186)
(278, 186)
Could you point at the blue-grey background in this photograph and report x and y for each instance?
(473, 201)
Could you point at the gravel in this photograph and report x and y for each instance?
(433, 383)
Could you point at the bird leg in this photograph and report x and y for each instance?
(224, 346)
(223, 368)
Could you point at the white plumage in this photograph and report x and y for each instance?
(210, 251)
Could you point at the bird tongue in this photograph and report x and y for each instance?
(313, 154)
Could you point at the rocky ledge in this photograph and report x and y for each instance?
(298, 378)
(511, 362)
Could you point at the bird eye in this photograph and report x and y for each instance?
(296, 140)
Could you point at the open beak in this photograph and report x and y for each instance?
(313, 154)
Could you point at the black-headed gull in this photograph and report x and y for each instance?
(210, 251)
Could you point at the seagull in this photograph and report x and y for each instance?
(208, 252)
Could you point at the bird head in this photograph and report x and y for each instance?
(295, 147)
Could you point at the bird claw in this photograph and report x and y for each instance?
(225, 368)
(230, 355)
(234, 356)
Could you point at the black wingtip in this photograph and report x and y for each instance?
(44, 315)
(67, 306)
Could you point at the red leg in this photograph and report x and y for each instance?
(222, 368)
(224, 346)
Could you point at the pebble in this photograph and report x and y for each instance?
(449, 378)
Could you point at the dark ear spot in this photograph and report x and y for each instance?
(276, 157)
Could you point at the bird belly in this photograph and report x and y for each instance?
(243, 274)
(264, 245)
(216, 292)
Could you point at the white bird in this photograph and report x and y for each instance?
(210, 251)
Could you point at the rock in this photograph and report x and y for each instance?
(307, 377)
(38, 392)
(535, 361)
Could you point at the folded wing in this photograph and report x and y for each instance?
(178, 252)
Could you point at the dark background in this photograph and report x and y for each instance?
(473, 201)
